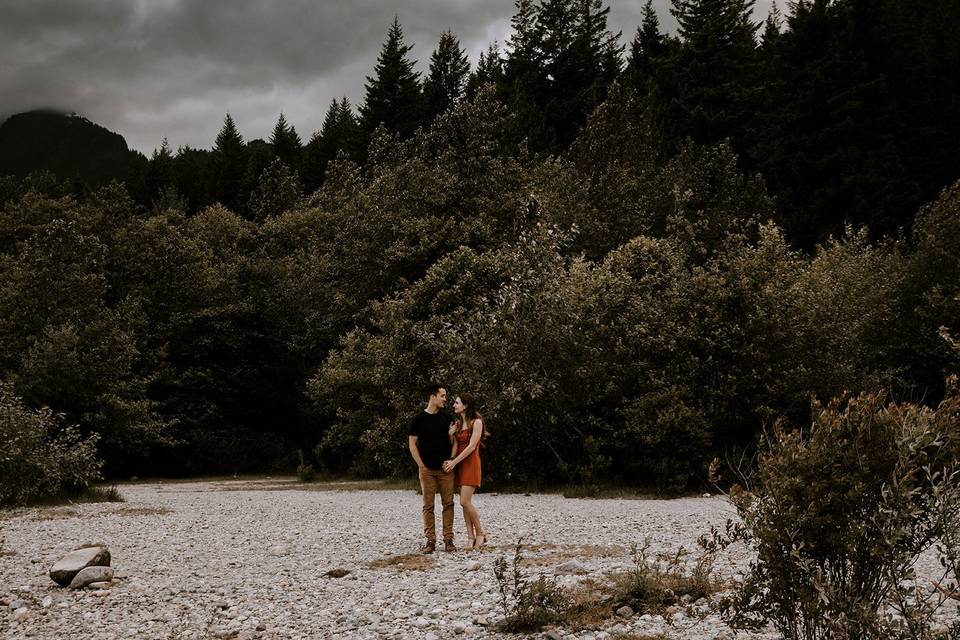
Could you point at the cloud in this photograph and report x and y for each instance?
(150, 69)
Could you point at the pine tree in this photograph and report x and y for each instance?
(489, 70)
(340, 133)
(393, 96)
(285, 142)
(446, 81)
(228, 165)
(647, 46)
(711, 83)
(772, 27)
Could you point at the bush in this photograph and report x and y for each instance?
(652, 586)
(41, 455)
(305, 470)
(528, 606)
(838, 515)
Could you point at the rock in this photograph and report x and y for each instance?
(481, 621)
(706, 495)
(17, 604)
(473, 565)
(89, 575)
(553, 634)
(337, 573)
(686, 598)
(431, 636)
(100, 585)
(71, 564)
(102, 593)
(625, 612)
(47, 602)
(702, 602)
(21, 613)
(573, 566)
(279, 550)
(459, 627)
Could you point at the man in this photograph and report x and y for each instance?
(430, 445)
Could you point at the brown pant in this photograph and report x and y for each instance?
(432, 482)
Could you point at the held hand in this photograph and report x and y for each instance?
(453, 428)
(448, 465)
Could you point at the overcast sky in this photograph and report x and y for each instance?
(149, 69)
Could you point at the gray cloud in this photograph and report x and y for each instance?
(150, 69)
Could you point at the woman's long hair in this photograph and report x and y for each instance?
(470, 412)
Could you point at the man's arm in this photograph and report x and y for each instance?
(414, 451)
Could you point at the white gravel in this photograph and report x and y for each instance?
(235, 560)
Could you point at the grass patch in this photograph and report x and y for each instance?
(405, 562)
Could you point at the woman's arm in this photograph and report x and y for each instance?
(474, 441)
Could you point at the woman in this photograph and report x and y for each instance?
(469, 431)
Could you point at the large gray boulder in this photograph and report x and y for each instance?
(71, 564)
(89, 575)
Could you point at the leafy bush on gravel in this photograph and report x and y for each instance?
(528, 605)
(653, 585)
(41, 455)
(838, 515)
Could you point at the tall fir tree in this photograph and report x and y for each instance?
(285, 142)
(446, 80)
(228, 165)
(648, 45)
(393, 95)
(489, 71)
(340, 133)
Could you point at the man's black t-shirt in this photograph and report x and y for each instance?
(433, 440)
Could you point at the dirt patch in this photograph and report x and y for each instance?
(405, 562)
(55, 513)
(295, 485)
(6, 553)
(137, 511)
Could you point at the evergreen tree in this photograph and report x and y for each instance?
(340, 133)
(285, 142)
(523, 86)
(393, 96)
(709, 87)
(228, 165)
(160, 172)
(446, 81)
(489, 70)
(648, 45)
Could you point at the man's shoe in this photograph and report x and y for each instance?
(430, 547)
(449, 546)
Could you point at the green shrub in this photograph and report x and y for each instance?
(305, 470)
(528, 605)
(41, 455)
(838, 515)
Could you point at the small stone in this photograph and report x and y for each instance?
(47, 602)
(432, 589)
(553, 634)
(702, 602)
(279, 550)
(706, 495)
(17, 604)
(459, 627)
(99, 585)
(21, 613)
(89, 575)
(481, 621)
(102, 593)
(573, 566)
(337, 573)
(422, 623)
(261, 627)
(686, 598)
(473, 565)
(431, 636)
(625, 611)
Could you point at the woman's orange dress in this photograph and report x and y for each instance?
(467, 472)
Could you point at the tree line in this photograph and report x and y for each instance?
(634, 265)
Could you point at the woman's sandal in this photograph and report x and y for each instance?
(470, 545)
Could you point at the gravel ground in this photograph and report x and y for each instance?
(249, 560)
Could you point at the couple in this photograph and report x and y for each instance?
(448, 454)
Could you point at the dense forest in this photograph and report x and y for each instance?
(636, 257)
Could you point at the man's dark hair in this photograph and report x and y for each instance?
(433, 389)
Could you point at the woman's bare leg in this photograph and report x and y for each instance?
(465, 493)
(471, 514)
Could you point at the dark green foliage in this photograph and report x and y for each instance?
(446, 81)
(285, 143)
(838, 515)
(393, 96)
(228, 164)
(340, 134)
(277, 191)
(42, 455)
